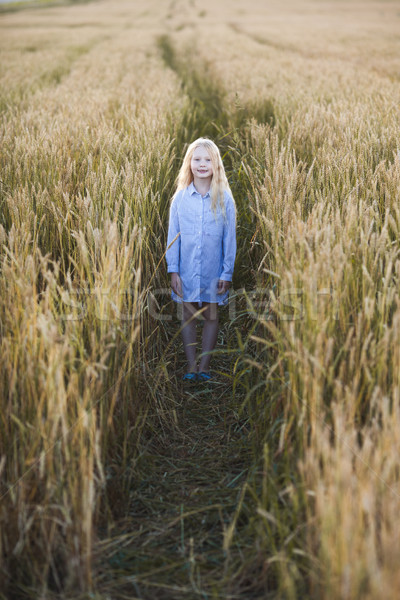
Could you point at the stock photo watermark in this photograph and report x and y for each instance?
(291, 304)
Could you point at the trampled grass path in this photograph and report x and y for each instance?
(190, 481)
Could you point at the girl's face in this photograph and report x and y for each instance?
(201, 164)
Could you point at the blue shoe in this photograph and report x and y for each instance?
(190, 377)
(203, 376)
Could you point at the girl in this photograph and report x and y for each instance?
(201, 248)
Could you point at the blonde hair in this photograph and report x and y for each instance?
(219, 181)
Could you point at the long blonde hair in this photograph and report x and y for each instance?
(219, 181)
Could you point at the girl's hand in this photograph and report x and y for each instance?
(223, 286)
(176, 284)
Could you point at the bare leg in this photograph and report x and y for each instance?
(210, 332)
(189, 335)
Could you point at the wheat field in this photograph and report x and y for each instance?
(281, 479)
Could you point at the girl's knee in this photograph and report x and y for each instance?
(211, 312)
(188, 310)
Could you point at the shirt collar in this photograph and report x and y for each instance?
(192, 190)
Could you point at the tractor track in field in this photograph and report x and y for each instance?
(190, 482)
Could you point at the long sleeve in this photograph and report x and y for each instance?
(173, 251)
(229, 241)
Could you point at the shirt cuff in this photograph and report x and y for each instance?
(225, 277)
(173, 269)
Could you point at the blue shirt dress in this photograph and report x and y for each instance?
(205, 250)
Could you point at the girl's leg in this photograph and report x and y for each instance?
(189, 335)
(210, 332)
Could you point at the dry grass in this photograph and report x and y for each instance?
(281, 480)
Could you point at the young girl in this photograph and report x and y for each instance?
(201, 248)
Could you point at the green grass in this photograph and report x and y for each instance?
(15, 5)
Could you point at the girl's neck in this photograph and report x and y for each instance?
(202, 185)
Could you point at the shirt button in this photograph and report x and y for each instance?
(198, 247)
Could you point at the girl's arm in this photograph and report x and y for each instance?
(172, 254)
(229, 241)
